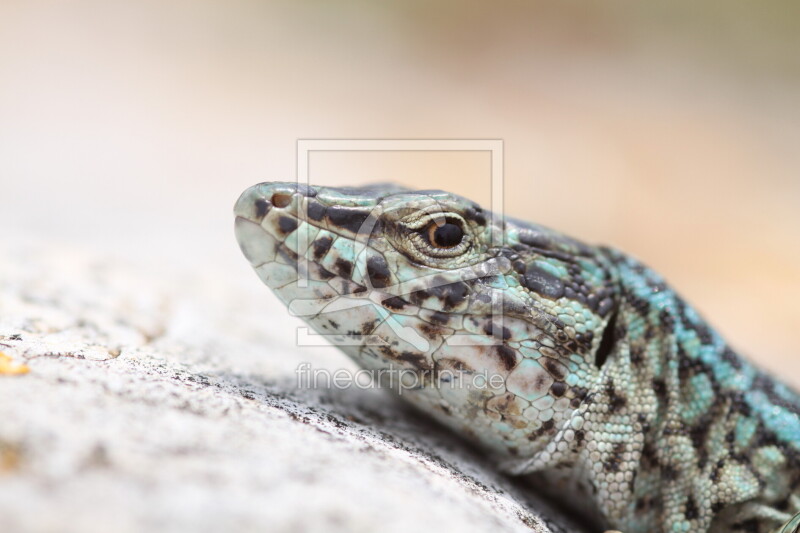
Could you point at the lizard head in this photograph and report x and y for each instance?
(493, 326)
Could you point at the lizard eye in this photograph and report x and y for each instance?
(435, 238)
(445, 235)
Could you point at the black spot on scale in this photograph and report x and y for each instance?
(637, 354)
(418, 297)
(475, 214)
(395, 303)
(348, 218)
(440, 318)
(262, 208)
(691, 511)
(701, 330)
(287, 224)
(451, 294)
(669, 473)
(558, 389)
(574, 346)
(715, 472)
(570, 293)
(686, 367)
(739, 404)
(642, 503)
(616, 400)
(672, 430)
(343, 267)
(605, 306)
(614, 461)
(704, 334)
(649, 454)
(321, 247)
(535, 434)
(731, 358)
(581, 395)
(325, 274)
(378, 272)
(543, 283)
(782, 505)
(534, 239)
(416, 359)
(369, 327)
(660, 388)
(353, 288)
(431, 331)
(554, 368)
(315, 211)
(493, 330)
(764, 384)
(507, 356)
(640, 305)
(699, 433)
(666, 320)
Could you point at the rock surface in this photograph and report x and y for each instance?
(135, 399)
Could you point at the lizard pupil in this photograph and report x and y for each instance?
(445, 236)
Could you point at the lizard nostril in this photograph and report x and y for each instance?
(281, 199)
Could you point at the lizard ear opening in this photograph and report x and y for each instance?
(607, 342)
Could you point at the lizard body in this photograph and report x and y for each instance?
(593, 372)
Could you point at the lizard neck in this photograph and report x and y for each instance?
(684, 428)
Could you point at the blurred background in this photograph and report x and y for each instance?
(671, 131)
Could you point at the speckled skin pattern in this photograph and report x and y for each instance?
(598, 375)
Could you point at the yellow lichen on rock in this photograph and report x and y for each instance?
(9, 457)
(9, 368)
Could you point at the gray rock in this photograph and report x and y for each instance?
(168, 401)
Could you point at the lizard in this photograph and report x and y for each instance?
(572, 363)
